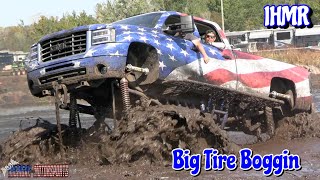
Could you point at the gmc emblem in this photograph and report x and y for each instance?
(59, 46)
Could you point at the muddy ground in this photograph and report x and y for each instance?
(132, 153)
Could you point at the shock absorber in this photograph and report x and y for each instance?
(73, 117)
(73, 112)
(125, 93)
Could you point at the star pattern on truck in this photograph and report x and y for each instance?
(184, 52)
(172, 57)
(162, 65)
(170, 46)
(115, 54)
(90, 53)
(128, 38)
(169, 39)
(124, 27)
(154, 35)
(143, 38)
(141, 29)
(159, 52)
(156, 41)
(213, 52)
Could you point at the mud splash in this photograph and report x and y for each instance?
(143, 135)
(299, 126)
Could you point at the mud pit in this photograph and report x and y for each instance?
(128, 152)
(146, 135)
(301, 125)
(150, 136)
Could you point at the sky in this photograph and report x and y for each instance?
(12, 11)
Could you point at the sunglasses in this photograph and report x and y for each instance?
(212, 37)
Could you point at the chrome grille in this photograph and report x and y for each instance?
(63, 46)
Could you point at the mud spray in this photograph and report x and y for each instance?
(144, 135)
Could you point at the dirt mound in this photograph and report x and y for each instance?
(299, 125)
(146, 135)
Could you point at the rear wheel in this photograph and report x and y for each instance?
(269, 121)
(262, 126)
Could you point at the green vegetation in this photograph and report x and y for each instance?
(239, 15)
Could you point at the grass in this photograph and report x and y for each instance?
(298, 57)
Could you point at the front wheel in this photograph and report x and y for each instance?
(149, 60)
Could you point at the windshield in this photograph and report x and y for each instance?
(146, 20)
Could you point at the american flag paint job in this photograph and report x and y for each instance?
(179, 60)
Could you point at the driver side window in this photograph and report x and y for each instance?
(204, 27)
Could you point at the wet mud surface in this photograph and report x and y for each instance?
(146, 135)
(143, 149)
(140, 146)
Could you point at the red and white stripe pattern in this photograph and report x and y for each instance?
(246, 73)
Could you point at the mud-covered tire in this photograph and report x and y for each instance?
(269, 121)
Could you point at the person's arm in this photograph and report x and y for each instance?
(199, 46)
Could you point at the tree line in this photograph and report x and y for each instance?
(238, 15)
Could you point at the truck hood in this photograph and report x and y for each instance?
(76, 29)
(119, 28)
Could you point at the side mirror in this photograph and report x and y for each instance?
(186, 25)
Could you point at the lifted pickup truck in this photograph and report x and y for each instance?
(141, 57)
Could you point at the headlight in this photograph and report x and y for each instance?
(103, 36)
(33, 55)
(32, 58)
